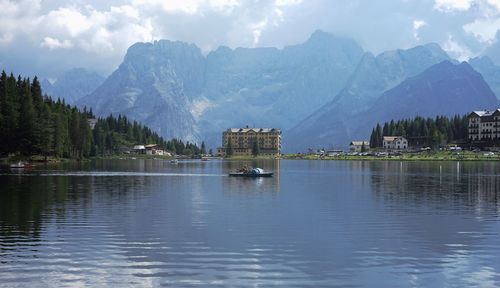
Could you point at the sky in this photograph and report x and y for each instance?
(48, 37)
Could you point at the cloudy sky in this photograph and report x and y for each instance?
(46, 37)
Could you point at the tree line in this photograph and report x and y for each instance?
(424, 131)
(32, 123)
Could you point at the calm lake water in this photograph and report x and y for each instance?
(316, 223)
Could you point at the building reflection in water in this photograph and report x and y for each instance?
(468, 184)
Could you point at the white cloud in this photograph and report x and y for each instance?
(457, 50)
(452, 5)
(484, 30)
(6, 38)
(224, 6)
(96, 34)
(17, 17)
(257, 29)
(190, 7)
(287, 2)
(53, 43)
(417, 24)
(494, 3)
(71, 20)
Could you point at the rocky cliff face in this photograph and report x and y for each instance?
(274, 88)
(171, 86)
(153, 86)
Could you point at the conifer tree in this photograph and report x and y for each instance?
(27, 121)
(255, 147)
(203, 149)
(229, 148)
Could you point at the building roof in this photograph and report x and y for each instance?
(359, 143)
(256, 130)
(393, 138)
(150, 146)
(484, 113)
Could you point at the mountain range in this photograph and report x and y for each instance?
(321, 93)
(73, 85)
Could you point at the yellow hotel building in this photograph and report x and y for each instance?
(242, 141)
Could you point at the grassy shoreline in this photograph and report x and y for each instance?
(422, 156)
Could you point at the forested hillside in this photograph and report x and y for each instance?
(31, 123)
(426, 131)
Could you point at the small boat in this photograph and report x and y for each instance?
(252, 173)
(174, 161)
(204, 159)
(20, 165)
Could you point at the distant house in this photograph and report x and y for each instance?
(151, 149)
(357, 146)
(92, 122)
(395, 143)
(139, 149)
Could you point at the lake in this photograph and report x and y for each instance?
(315, 223)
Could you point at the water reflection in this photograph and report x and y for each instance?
(446, 185)
(316, 223)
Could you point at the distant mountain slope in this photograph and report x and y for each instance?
(490, 72)
(73, 85)
(274, 88)
(172, 87)
(332, 124)
(152, 86)
(47, 86)
(444, 89)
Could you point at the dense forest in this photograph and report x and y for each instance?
(31, 123)
(423, 131)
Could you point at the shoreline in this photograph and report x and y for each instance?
(410, 157)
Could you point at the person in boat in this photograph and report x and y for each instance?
(244, 169)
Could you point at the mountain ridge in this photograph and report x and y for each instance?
(73, 85)
(227, 87)
(442, 89)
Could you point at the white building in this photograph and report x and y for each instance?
(139, 149)
(395, 142)
(484, 125)
(357, 146)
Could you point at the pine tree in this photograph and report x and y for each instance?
(373, 142)
(27, 121)
(378, 136)
(229, 148)
(58, 136)
(203, 149)
(45, 130)
(255, 147)
(9, 97)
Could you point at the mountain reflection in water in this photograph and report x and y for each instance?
(316, 223)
